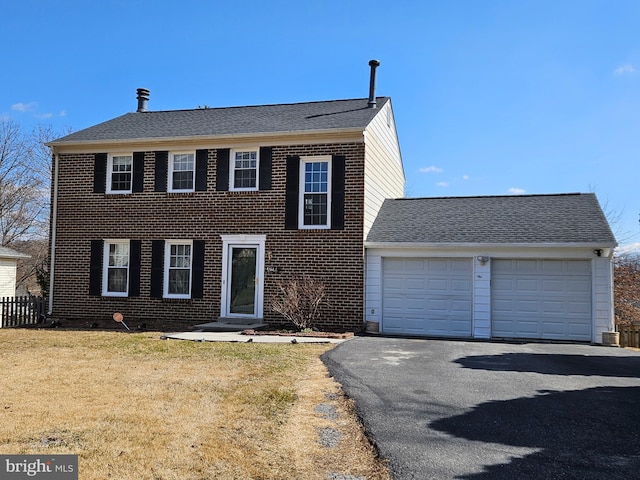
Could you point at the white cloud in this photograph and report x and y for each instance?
(626, 68)
(630, 249)
(465, 177)
(443, 184)
(63, 113)
(516, 191)
(43, 115)
(431, 169)
(24, 107)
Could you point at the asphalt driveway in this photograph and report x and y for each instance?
(439, 409)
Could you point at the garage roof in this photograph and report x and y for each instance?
(573, 218)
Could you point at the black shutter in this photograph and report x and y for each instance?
(222, 170)
(292, 196)
(135, 254)
(197, 274)
(138, 172)
(201, 170)
(157, 268)
(95, 268)
(337, 192)
(162, 169)
(99, 172)
(265, 168)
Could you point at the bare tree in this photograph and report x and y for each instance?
(25, 185)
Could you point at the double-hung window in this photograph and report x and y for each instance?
(177, 269)
(182, 172)
(115, 271)
(244, 170)
(119, 173)
(315, 192)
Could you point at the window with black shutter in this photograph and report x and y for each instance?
(95, 268)
(222, 170)
(99, 172)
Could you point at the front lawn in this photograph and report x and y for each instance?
(133, 406)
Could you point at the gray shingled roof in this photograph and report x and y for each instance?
(212, 122)
(523, 219)
(6, 252)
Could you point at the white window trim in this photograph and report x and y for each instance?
(105, 268)
(167, 260)
(110, 173)
(301, 192)
(229, 241)
(232, 170)
(170, 172)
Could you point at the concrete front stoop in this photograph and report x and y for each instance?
(231, 325)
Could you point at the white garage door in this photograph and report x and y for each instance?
(545, 299)
(427, 296)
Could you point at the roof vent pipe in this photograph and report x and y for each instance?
(372, 83)
(143, 99)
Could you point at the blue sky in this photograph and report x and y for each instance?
(490, 97)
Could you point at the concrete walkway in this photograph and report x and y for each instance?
(237, 337)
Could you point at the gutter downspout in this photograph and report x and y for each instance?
(54, 219)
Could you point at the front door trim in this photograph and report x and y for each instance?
(228, 243)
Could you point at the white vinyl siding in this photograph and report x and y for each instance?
(383, 172)
(7, 277)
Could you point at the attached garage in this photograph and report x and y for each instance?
(427, 296)
(528, 266)
(545, 299)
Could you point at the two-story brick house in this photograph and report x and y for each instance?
(176, 218)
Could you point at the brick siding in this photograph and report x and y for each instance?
(333, 256)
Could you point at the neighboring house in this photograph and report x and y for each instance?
(8, 264)
(177, 218)
(530, 266)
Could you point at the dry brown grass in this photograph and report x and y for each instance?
(133, 406)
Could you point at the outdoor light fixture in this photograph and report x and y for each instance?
(483, 259)
(598, 252)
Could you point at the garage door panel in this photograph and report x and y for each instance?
(547, 299)
(427, 296)
(415, 284)
(460, 286)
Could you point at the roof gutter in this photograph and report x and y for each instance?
(205, 138)
(54, 219)
(476, 246)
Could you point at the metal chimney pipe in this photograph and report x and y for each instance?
(143, 99)
(372, 83)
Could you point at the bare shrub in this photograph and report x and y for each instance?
(299, 300)
(627, 289)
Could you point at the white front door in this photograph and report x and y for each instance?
(243, 272)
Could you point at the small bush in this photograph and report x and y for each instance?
(300, 300)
